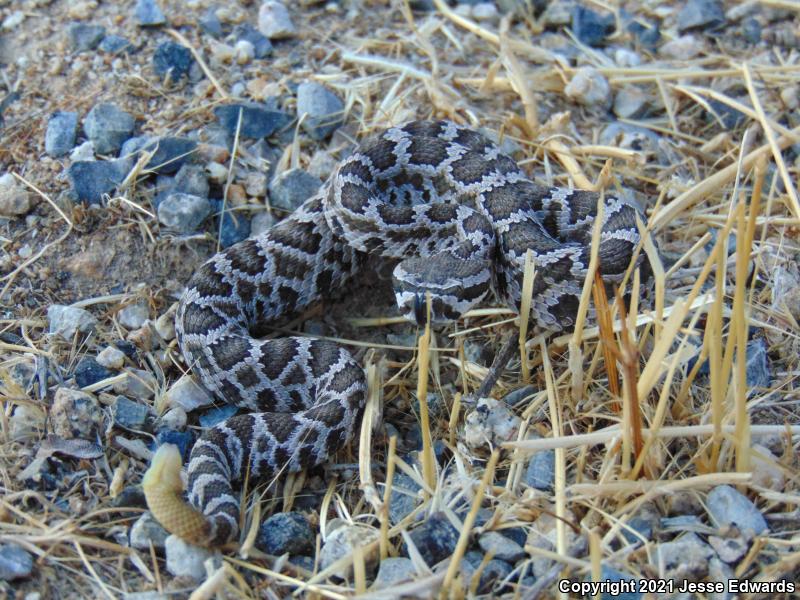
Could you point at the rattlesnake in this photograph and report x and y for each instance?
(458, 213)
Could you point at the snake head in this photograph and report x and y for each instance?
(452, 285)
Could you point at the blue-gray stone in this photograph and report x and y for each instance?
(172, 59)
(93, 178)
(15, 562)
(191, 179)
(134, 145)
(323, 110)
(504, 547)
(541, 471)
(261, 43)
(85, 36)
(235, 228)
(61, 131)
(108, 126)
(115, 44)
(130, 414)
(751, 30)
(258, 121)
(183, 212)
(291, 188)
(148, 13)
(285, 533)
(404, 497)
(215, 416)
(647, 35)
(88, 371)
(590, 27)
(642, 526)
(757, 369)
(495, 570)
(171, 153)
(392, 571)
(435, 538)
(520, 395)
(701, 14)
(211, 24)
(727, 506)
(184, 440)
(730, 117)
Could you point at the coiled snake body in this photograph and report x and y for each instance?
(460, 216)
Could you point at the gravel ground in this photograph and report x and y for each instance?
(124, 165)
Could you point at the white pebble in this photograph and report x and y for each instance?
(187, 394)
(589, 87)
(274, 21)
(111, 358)
(245, 52)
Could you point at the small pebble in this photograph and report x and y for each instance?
(171, 153)
(751, 30)
(485, 11)
(26, 424)
(291, 188)
(504, 548)
(59, 138)
(183, 212)
(85, 37)
(215, 416)
(245, 32)
(191, 179)
(15, 199)
(757, 368)
(284, 533)
(185, 560)
(15, 562)
(685, 558)
(244, 52)
(148, 13)
(88, 371)
(626, 58)
(589, 87)
(13, 20)
(340, 543)
(75, 414)
(82, 152)
(490, 423)
(274, 21)
(188, 395)
(146, 531)
(727, 506)
(111, 358)
(172, 59)
(93, 179)
(211, 24)
(630, 137)
(590, 27)
(108, 126)
(183, 440)
(685, 47)
(257, 120)
(138, 384)
(129, 414)
(610, 574)
(435, 538)
(165, 326)
(133, 315)
(766, 469)
(175, 419)
(495, 570)
(392, 571)
(541, 471)
(631, 102)
(729, 549)
(700, 14)
(115, 44)
(66, 321)
(323, 110)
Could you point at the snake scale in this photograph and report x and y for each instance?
(457, 214)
